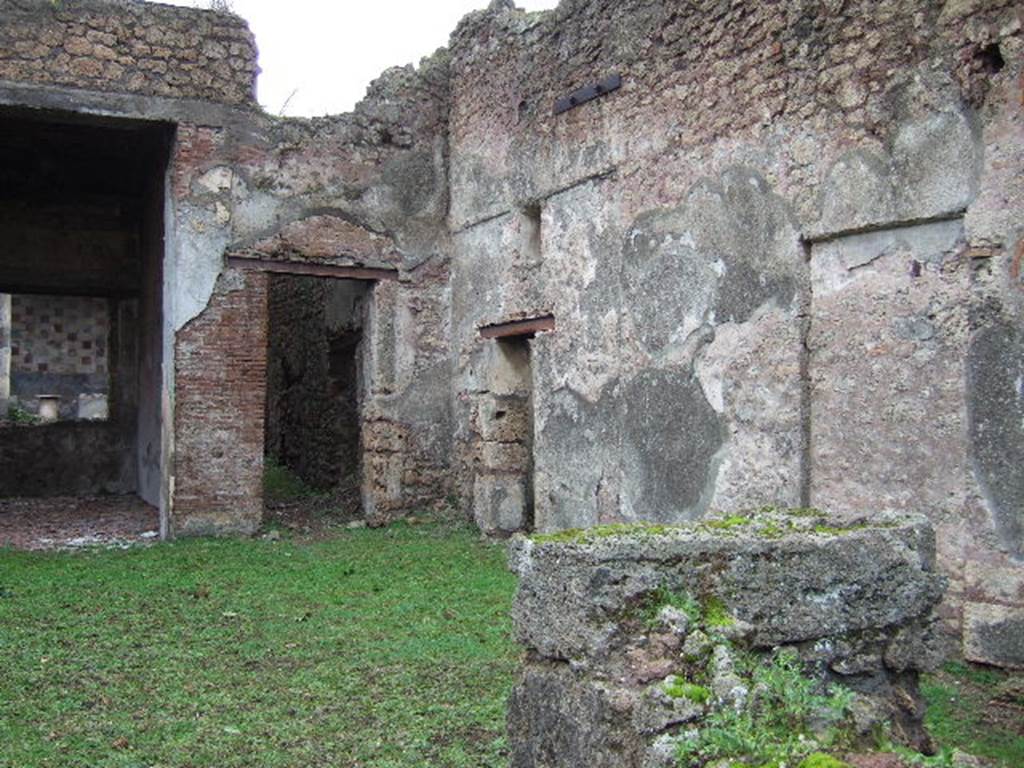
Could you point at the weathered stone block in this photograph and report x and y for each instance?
(555, 718)
(813, 582)
(510, 457)
(503, 419)
(606, 680)
(994, 634)
(500, 503)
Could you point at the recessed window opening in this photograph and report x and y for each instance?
(57, 359)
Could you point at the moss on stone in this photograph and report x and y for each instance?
(586, 535)
(766, 522)
(677, 688)
(727, 523)
(802, 512)
(716, 615)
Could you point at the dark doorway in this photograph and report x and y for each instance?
(314, 389)
(81, 318)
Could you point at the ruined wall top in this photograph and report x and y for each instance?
(694, 73)
(129, 46)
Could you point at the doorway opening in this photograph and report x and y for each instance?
(315, 388)
(81, 325)
(503, 484)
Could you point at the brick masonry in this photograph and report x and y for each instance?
(220, 367)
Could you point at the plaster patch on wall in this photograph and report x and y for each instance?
(995, 368)
(200, 257)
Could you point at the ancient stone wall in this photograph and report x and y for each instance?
(364, 190)
(634, 636)
(128, 46)
(90, 451)
(781, 259)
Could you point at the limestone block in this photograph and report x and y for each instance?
(601, 686)
(994, 634)
(807, 584)
(500, 503)
(508, 457)
(504, 420)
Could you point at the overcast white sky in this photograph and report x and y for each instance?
(328, 51)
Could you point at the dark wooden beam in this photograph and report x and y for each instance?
(314, 270)
(518, 328)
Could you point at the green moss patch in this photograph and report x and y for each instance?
(678, 688)
(716, 615)
(588, 535)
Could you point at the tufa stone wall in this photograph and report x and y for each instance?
(634, 636)
(128, 46)
(781, 259)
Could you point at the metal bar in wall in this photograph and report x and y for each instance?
(316, 270)
(518, 327)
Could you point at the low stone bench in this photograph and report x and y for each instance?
(595, 612)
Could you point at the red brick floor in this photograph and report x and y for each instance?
(67, 522)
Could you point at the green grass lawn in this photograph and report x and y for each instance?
(977, 709)
(370, 648)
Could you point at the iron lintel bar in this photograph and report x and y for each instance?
(518, 328)
(316, 270)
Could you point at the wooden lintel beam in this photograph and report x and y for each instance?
(314, 270)
(518, 328)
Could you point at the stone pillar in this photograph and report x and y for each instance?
(5, 352)
(633, 633)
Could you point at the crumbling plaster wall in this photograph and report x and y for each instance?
(783, 261)
(366, 189)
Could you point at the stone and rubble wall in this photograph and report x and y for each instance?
(361, 190)
(128, 46)
(783, 262)
(615, 619)
(366, 189)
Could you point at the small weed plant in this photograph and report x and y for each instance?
(788, 719)
(681, 689)
(17, 414)
(662, 597)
